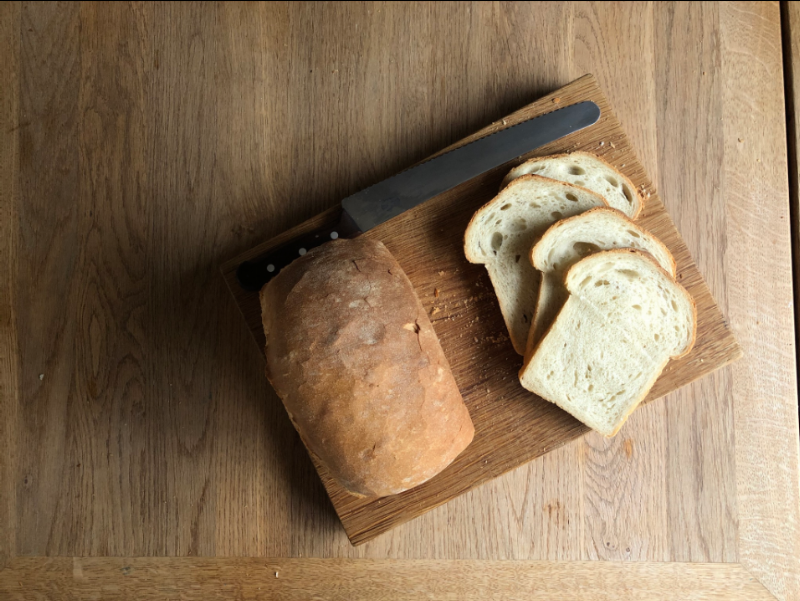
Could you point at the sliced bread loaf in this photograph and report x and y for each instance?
(502, 232)
(625, 318)
(568, 241)
(586, 170)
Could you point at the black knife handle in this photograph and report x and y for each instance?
(253, 274)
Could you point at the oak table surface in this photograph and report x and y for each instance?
(142, 451)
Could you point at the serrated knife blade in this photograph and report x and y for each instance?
(389, 198)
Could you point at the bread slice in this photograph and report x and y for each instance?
(502, 232)
(588, 171)
(568, 241)
(625, 318)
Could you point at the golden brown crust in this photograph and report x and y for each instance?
(353, 355)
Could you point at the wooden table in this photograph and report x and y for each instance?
(142, 453)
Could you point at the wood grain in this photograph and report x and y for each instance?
(374, 580)
(9, 186)
(252, 117)
(755, 185)
(624, 492)
(699, 421)
(512, 425)
(49, 245)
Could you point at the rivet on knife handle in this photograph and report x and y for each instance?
(252, 275)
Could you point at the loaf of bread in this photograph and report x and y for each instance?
(502, 232)
(623, 321)
(353, 355)
(588, 171)
(568, 241)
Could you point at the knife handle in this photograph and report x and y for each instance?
(253, 274)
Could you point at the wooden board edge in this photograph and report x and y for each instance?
(145, 578)
(9, 125)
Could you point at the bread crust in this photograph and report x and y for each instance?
(359, 368)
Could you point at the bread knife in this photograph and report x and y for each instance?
(389, 198)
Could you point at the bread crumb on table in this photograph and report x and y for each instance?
(436, 292)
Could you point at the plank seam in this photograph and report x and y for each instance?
(791, 156)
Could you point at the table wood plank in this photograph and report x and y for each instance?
(211, 579)
(699, 419)
(754, 184)
(50, 237)
(9, 187)
(625, 493)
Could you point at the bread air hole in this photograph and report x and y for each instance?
(583, 249)
(633, 233)
(630, 274)
(580, 182)
(612, 180)
(535, 205)
(575, 170)
(628, 194)
(556, 215)
(601, 283)
(518, 257)
(637, 307)
(497, 241)
(519, 224)
(656, 337)
(674, 305)
(585, 281)
(572, 197)
(505, 207)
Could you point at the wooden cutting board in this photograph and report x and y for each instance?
(512, 426)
